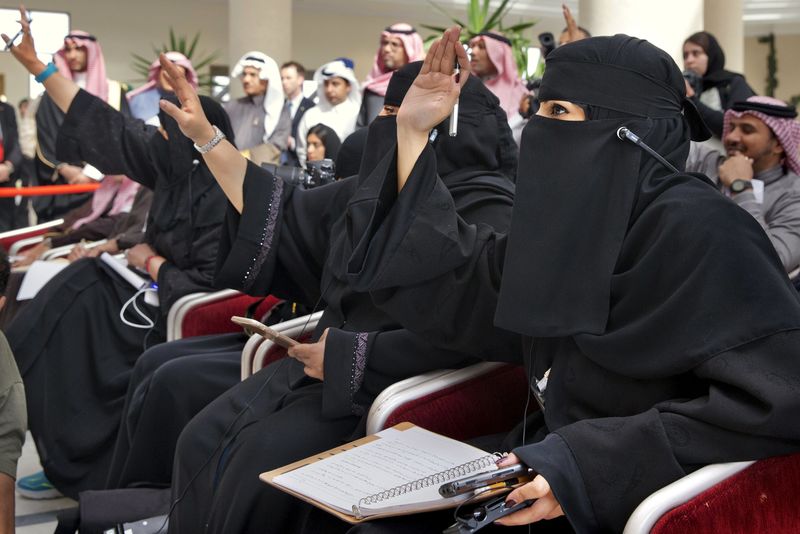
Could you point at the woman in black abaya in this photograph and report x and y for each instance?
(624, 278)
(318, 399)
(73, 351)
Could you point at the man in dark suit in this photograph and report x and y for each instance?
(292, 76)
(12, 213)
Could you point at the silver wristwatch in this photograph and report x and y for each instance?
(218, 136)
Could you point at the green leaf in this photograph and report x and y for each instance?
(446, 14)
(438, 29)
(519, 28)
(498, 14)
(190, 52)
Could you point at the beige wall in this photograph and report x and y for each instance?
(755, 65)
(125, 27)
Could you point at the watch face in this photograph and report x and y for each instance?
(737, 186)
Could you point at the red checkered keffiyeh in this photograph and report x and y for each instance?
(786, 130)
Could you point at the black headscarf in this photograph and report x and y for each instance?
(715, 72)
(183, 175)
(483, 145)
(476, 165)
(594, 218)
(350, 153)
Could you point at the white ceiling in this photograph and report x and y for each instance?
(760, 16)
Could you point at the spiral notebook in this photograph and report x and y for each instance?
(395, 472)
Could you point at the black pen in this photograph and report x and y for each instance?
(10, 42)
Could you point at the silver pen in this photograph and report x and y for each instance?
(18, 34)
(454, 114)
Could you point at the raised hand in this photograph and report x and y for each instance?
(431, 98)
(25, 51)
(190, 116)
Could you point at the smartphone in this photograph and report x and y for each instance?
(473, 482)
(273, 335)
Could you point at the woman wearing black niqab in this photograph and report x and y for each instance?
(658, 309)
(293, 243)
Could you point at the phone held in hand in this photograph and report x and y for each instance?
(268, 333)
(481, 480)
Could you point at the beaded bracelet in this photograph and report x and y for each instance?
(49, 70)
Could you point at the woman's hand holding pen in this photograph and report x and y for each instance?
(430, 99)
(545, 507)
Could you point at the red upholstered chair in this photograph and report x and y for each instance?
(14, 241)
(738, 497)
(462, 403)
(199, 314)
(258, 354)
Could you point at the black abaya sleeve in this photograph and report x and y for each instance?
(426, 266)
(95, 132)
(278, 243)
(749, 404)
(359, 365)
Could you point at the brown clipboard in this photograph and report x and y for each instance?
(269, 476)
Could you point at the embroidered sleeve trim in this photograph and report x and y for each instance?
(267, 234)
(357, 372)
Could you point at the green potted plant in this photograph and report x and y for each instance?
(480, 19)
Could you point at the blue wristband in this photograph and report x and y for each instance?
(46, 73)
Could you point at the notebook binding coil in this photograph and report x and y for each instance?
(437, 478)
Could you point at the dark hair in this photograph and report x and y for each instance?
(23, 101)
(328, 137)
(701, 39)
(581, 28)
(5, 271)
(301, 70)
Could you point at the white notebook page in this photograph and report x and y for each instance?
(399, 457)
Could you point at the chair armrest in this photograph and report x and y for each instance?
(656, 505)
(7, 239)
(182, 306)
(267, 352)
(23, 244)
(60, 252)
(461, 403)
(249, 354)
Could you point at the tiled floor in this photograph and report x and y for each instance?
(36, 517)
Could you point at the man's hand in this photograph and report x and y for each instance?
(138, 254)
(5, 172)
(28, 256)
(312, 356)
(545, 507)
(190, 116)
(109, 246)
(73, 174)
(77, 252)
(736, 167)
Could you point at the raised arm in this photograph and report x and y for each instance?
(225, 162)
(430, 100)
(60, 89)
